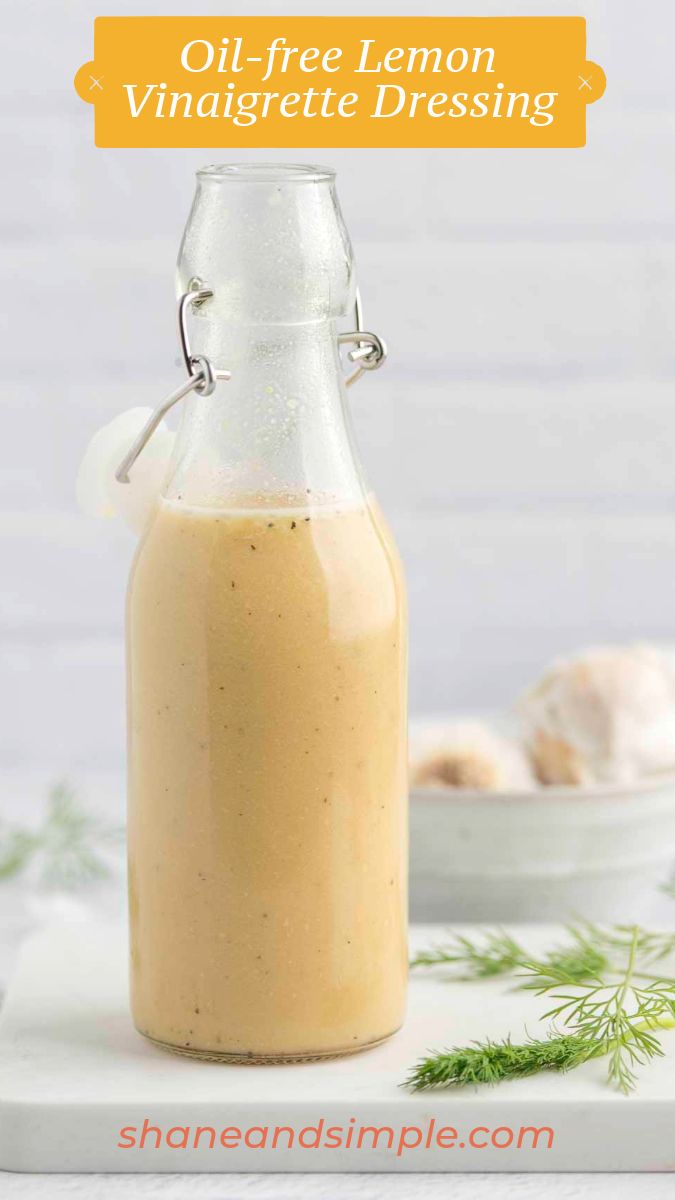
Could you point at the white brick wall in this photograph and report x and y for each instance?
(521, 438)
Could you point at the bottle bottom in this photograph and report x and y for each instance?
(253, 1059)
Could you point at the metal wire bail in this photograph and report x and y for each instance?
(201, 378)
(195, 296)
(370, 350)
(369, 353)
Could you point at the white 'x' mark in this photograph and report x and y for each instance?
(95, 83)
(584, 83)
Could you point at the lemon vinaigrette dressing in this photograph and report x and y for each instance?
(266, 632)
(269, 755)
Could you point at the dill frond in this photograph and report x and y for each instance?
(16, 850)
(602, 1006)
(495, 952)
(491, 1062)
(64, 850)
(616, 1016)
(582, 957)
(491, 953)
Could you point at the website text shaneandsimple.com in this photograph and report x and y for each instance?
(399, 1140)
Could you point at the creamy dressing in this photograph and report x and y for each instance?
(267, 811)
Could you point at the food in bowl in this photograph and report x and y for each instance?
(603, 716)
(606, 715)
(572, 811)
(470, 755)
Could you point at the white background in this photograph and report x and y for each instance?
(521, 437)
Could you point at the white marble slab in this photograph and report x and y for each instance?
(73, 1073)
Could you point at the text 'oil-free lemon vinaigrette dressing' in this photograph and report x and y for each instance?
(267, 665)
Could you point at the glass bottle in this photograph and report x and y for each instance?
(267, 664)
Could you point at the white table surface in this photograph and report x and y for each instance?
(329, 1187)
(360, 1187)
(311, 1187)
(73, 1072)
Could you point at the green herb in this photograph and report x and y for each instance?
(495, 952)
(616, 1017)
(64, 850)
(650, 946)
(593, 977)
(583, 956)
(16, 850)
(490, 1062)
(492, 953)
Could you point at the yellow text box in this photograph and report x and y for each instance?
(340, 81)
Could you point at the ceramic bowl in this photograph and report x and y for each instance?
(599, 852)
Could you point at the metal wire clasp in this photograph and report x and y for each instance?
(370, 350)
(201, 379)
(369, 354)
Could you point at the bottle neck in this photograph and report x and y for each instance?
(277, 434)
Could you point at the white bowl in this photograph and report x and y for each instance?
(599, 852)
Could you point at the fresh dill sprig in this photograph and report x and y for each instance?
(491, 1062)
(64, 850)
(650, 946)
(583, 956)
(601, 1006)
(493, 952)
(496, 952)
(617, 1017)
(16, 851)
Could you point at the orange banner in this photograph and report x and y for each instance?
(340, 81)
